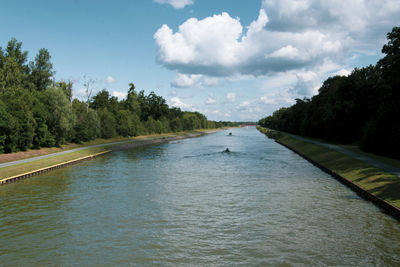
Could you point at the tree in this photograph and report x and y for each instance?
(125, 125)
(41, 70)
(7, 130)
(87, 126)
(13, 71)
(60, 121)
(157, 106)
(19, 106)
(101, 100)
(67, 89)
(108, 124)
(132, 103)
(41, 113)
(88, 84)
(36, 111)
(362, 107)
(390, 64)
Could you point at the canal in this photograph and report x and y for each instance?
(187, 203)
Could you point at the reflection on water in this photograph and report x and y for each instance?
(187, 203)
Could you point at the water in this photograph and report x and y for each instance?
(187, 203)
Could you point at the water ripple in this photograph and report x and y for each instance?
(187, 203)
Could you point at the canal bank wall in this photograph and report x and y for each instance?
(351, 182)
(49, 168)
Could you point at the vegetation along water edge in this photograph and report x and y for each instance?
(381, 187)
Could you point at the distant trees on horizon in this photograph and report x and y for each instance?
(36, 111)
(362, 108)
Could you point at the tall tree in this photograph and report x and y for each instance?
(67, 89)
(88, 84)
(13, 71)
(41, 70)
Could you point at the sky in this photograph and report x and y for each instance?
(228, 59)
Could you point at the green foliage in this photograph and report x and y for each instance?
(87, 126)
(60, 123)
(67, 89)
(7, 130)
(37, 112)
(42, 137)
(41, 70)
(360, 108)
(101, 100)
(108, 124)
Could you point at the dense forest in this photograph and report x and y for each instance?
(36, 111)
(362, 108)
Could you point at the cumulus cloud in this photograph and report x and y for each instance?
(287, 35)
(119, 95)
(176, 3)
(307, 84)
(110, 79)
(257, 52)
(177, 103)
(357, 21)
(193, 80)
(343, 72)
(184, 81)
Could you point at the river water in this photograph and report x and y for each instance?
(187, 203)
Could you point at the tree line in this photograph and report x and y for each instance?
(362, 108)
(37, 111)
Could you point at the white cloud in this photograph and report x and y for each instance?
(286, 52)
(193, 80)
(211, 100)
(267, 100)
(110, 79)
(119, 95)
(184, 81)
(257, 52)
(357, 20)
(287, 35)
(176, 3)
(307, 84)
(257, 108)
(177, 102)
(231, 97)
(343, 72)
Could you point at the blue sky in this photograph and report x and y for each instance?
(231, 60)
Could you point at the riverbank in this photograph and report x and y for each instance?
(381, 187)
(26, 164)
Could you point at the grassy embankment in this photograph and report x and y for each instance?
(380, 183)
(43, 163)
